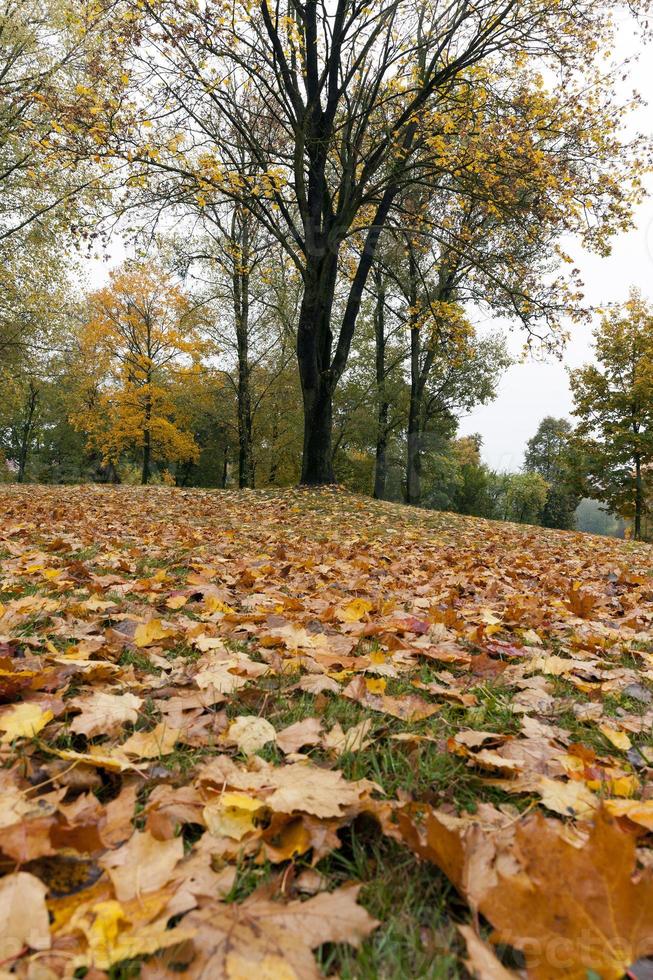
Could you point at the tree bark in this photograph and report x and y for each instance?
(26, 431)
(314, 340)
(240, 233)
(225, 466)
(147, 439)
(414, 450)
(417, 382)
(639, 498)
(383, 406)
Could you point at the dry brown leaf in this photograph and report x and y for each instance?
(151, 745)
(353, 740)
(570, 799)
(470, 850)
(410, 707)
(143, 864)
(259, 938)
(250, 733)
(308, 731)
(570, 908)
(104, 714)
(24, 920)
(482, 961)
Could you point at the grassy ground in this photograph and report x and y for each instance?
(476, 610)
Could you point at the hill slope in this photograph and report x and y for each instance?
(222, 712)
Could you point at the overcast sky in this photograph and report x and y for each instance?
(531, 390)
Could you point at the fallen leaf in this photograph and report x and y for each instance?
(143, 864)
(410, 707)
(151, 745)
(572, 909)
(354, 611)
(250, 733)
(639, 811)
(111, 940)
(571, 799)
(232, 815)
(619, 739)
(273, 940)
(353, 740)
(301, 733)
(482, 961)
(24, 920)
(105, 713)
(153, 631)
(23, 721)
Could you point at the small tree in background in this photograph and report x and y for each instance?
(549, 454)
(614, 402)
(140, 347)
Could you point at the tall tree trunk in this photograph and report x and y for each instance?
(414, 451)
(417, 381)
(639, 498)
(147, 438)
(225, 466)
(314, 339)
(245, 467)
(26, 431)
(240, 232)
(383, 406)
(274, 462)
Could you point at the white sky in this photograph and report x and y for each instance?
(531, 390)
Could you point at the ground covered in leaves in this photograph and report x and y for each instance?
(293, 734)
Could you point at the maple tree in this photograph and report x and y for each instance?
(141, 340)
(613, 401)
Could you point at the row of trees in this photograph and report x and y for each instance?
(341, 188)
(145, 380)
(145, 374)
(325, 140)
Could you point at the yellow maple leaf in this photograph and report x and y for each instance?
(354, 610)
(619, 739)
(232, 815)
(109, 942)
(375, 685)
(148, 633)
(23, 721)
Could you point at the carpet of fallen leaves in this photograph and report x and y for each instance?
(293, 734)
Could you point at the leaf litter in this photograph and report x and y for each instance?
(232, 723)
